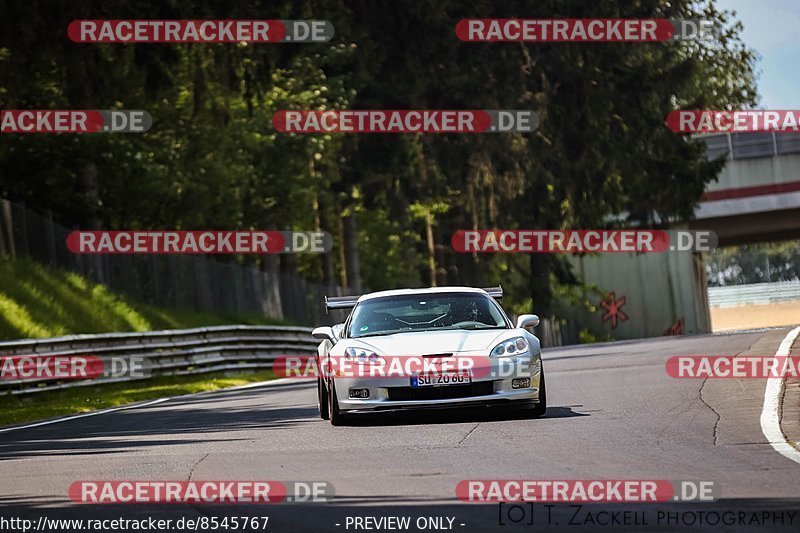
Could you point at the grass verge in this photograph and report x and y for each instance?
(51, 404)
(36, 302)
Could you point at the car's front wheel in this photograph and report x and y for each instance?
(322, 399)
(335, 416)
(540, 408)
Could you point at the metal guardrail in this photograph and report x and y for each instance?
(165, 353)
(754, 294)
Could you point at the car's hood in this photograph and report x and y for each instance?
(431, 342)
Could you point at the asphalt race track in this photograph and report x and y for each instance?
(614, 414)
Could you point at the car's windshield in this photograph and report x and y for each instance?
(425, 312)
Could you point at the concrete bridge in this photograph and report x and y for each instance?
(755, 199)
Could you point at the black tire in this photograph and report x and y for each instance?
(540, 408)
(322, 398)
(336, 417)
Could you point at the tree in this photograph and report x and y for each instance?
(391, 201)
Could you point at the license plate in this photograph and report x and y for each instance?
(437, 379)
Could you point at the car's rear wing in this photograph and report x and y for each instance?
(348, 302)
(341, 302)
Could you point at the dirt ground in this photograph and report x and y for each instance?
(755, 316)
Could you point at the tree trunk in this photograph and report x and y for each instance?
(342, 262)
(288, 264)
(541, 291)
(327, 258)
(446, 271)
(270, 265)
(91, 192)
(431, 250)
(351, 256)
(323, 224)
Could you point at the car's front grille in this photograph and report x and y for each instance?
(445, 392)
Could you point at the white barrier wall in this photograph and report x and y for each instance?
(654, 294)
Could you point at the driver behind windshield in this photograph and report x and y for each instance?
(400, 314)
(463, 310)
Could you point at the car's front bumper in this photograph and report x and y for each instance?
(397, 393)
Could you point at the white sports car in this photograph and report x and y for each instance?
(427, 348)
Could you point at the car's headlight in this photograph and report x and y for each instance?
(361, 354)
(515, 346)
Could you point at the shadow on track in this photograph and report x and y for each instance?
(183, 421)
(456, 416)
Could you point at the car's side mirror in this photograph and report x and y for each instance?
(527, 321)
(323, 333)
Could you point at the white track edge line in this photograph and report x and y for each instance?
(146, 404)
(773, 396)
(83, 415)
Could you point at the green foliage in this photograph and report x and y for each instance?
(212, 158)
(587, 337)
(392, 251)
(754, 263)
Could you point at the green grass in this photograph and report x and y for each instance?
(50, 404)
(36, 302)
